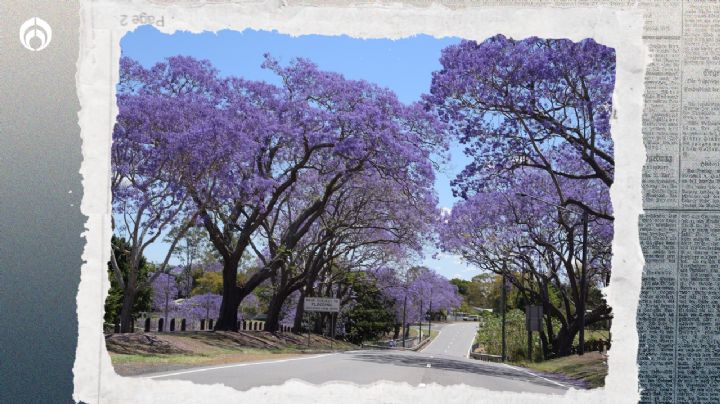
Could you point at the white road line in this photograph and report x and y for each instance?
(437, 337)
(538, 376)
(237, 365)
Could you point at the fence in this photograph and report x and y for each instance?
(483, 356)
(152, 324)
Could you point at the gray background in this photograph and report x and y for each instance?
(40, 220)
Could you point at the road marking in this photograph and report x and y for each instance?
(237, 365)
(538, 376)
(437, 337)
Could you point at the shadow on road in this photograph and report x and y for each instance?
(421, 361)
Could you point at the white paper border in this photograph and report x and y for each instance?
(94, 378)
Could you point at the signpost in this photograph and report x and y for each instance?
(326, 304)
(533, 322)
(323, 304)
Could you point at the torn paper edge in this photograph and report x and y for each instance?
(101, 30)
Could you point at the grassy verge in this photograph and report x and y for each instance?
(134, 354)
(414, 332)
(593, 334)
(590, 368)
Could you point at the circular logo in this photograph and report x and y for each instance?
(35, 34)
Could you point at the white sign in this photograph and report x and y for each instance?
(322, 304)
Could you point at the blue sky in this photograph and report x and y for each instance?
(404, 65)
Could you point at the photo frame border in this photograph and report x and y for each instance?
(103, 23)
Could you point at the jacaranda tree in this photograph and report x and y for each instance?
(414, 293)
(147, 201)
(535, 103)
(232, 150)
(534, 115)
(538, 248)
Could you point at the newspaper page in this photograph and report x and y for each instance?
(679, 351)
(678, 355)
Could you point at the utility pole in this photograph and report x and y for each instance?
(404, 335)
(504, 297)
(583, 286)
(420, 325)
(332, 330)
(529, 325)
(430, 318)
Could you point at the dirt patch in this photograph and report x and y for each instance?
(134, 354)
(204, 341)
(141, 344)
(588, 370)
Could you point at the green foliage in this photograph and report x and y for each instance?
(208, 282)
(465, 307)
(143, 298)
(481, 290)
(462, 285)
(490, 336)
(484, 290)
(596, 299)
(264, 293)
(371, 315)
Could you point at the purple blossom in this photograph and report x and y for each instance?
(205, 306)
(416, 292)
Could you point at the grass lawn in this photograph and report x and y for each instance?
(593, 334)
(133, 354)
(128, 364)
(591, 367)
(414, 331)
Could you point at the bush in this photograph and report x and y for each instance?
(489, 336)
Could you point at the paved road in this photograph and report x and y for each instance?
(443, 362)
(454, 340)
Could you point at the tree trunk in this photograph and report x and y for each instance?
(562, 345)
(231, 298)
(126, 309)
(272, 323)
(544, 344)
(396, 331)
(299, 312)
